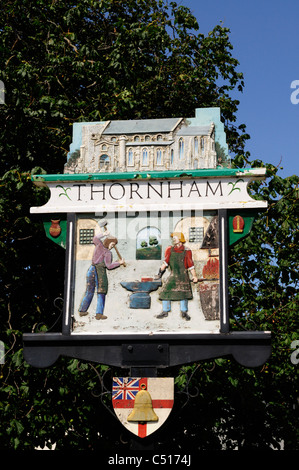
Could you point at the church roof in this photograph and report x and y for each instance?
(195, 130)
(142, 126)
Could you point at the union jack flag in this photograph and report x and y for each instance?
(124, 388)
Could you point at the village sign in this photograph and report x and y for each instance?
(146, 212)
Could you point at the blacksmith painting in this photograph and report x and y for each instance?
(146, 272)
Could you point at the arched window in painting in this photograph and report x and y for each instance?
(148, 244)
(104, 161)
(171, 157)
(159, 157)
(181, 149)
(144, 157)
(196, 146)
(130, 157)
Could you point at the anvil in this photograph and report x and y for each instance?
(141, 290)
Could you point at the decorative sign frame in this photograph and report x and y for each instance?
(146, 211)
(204, 211)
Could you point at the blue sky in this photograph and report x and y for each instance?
(265, 36)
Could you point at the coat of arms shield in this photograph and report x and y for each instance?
(142, 404)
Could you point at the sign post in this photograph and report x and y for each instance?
(146, 211)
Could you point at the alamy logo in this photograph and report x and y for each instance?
(2, 353)
(295, 354)
(295, 94)
(2, 93)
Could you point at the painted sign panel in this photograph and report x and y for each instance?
(142, 404)
(71, 196)
(146, 272)
(146, 210)
(147, 252)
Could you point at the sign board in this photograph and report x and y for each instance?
(146, 211)
(178, 228)
(164, 191)
(149, 223)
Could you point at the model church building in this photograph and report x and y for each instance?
(149, 144)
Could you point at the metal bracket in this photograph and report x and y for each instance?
(145, 354)
(250, 348)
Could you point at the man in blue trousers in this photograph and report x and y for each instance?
(96, 278)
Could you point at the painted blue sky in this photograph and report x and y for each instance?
(265, 36)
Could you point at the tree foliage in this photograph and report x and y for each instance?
(64, 62)
(100, 60)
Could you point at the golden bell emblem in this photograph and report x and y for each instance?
(143, 407)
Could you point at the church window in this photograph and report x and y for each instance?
(159, 157)
(144, 157)
(104, 161)
(130, 157)
(181, 149)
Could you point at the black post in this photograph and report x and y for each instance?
(224, 312)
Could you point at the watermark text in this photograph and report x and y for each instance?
(295, 354)
(295, 94)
